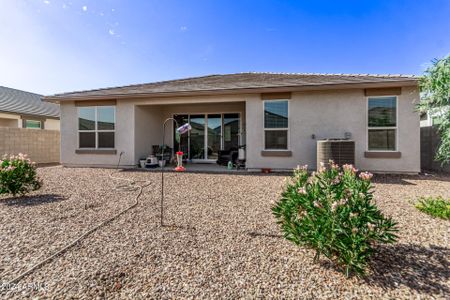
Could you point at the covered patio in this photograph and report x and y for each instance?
(216, 128)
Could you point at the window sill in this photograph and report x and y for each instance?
(382, 154)
(96, 151)
(276, 153)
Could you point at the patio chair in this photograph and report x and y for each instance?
(224, 156)
(157, 151)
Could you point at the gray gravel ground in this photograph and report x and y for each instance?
(222, 241)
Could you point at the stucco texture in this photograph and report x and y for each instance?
(330, 114)
(326, 114)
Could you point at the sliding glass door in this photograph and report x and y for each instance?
(182, 139)
(197, 137)
(231, 131)
(214, 144)
(210, 133)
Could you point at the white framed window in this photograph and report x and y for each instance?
(276, 124)
(33, 124)
(96, 127)
(382, 123)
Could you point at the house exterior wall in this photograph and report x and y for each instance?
(433, 117)
(10, 123)
(148, 125)
(124, 138)
(9, 120)
(329, 114)
(52, 124)
(138, 126)
(15, 121)
(325, 114)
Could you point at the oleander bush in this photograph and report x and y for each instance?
(436, 207)
(332, 212)
(18, 175)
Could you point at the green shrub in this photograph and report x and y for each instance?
(332, 212)
(17, 175)
(436, 207)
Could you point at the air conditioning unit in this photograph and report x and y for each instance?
(341, 151)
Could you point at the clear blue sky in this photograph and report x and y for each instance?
(56, 46)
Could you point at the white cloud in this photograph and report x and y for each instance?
(84, 8)
(46, 2)
(183, 28)
(111, 32)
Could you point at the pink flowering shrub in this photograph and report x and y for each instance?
(332, 212)
(17, 175)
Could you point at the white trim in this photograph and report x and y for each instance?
(288, 146)
(95, 130)
(384, 127)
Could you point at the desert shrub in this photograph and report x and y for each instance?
(436, 207)
(17, 175)
(332, 212)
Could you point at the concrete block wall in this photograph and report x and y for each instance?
(42, 146)
(429, 143)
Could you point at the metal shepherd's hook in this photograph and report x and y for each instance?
(183, 129)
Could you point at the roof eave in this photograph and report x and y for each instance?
(252, 90)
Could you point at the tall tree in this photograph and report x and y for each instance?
(435, 98)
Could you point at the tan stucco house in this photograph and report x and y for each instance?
(278, 117)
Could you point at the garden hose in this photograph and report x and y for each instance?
(129, 186)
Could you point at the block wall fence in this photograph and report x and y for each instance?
(41, 146)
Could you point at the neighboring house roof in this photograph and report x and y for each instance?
(244, 82)
(26, 103)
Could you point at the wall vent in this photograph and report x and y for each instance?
(339, 150)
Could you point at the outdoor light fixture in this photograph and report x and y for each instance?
(179, 168)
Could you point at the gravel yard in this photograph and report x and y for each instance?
(222, 241)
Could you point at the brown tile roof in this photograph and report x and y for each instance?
(227, 82)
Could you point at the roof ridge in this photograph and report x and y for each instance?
(332, 74)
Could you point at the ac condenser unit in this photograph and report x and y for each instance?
(338, 150)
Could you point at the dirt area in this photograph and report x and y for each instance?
(221, 241)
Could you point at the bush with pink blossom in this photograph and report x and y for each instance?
(18, 175)
(332, 211)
